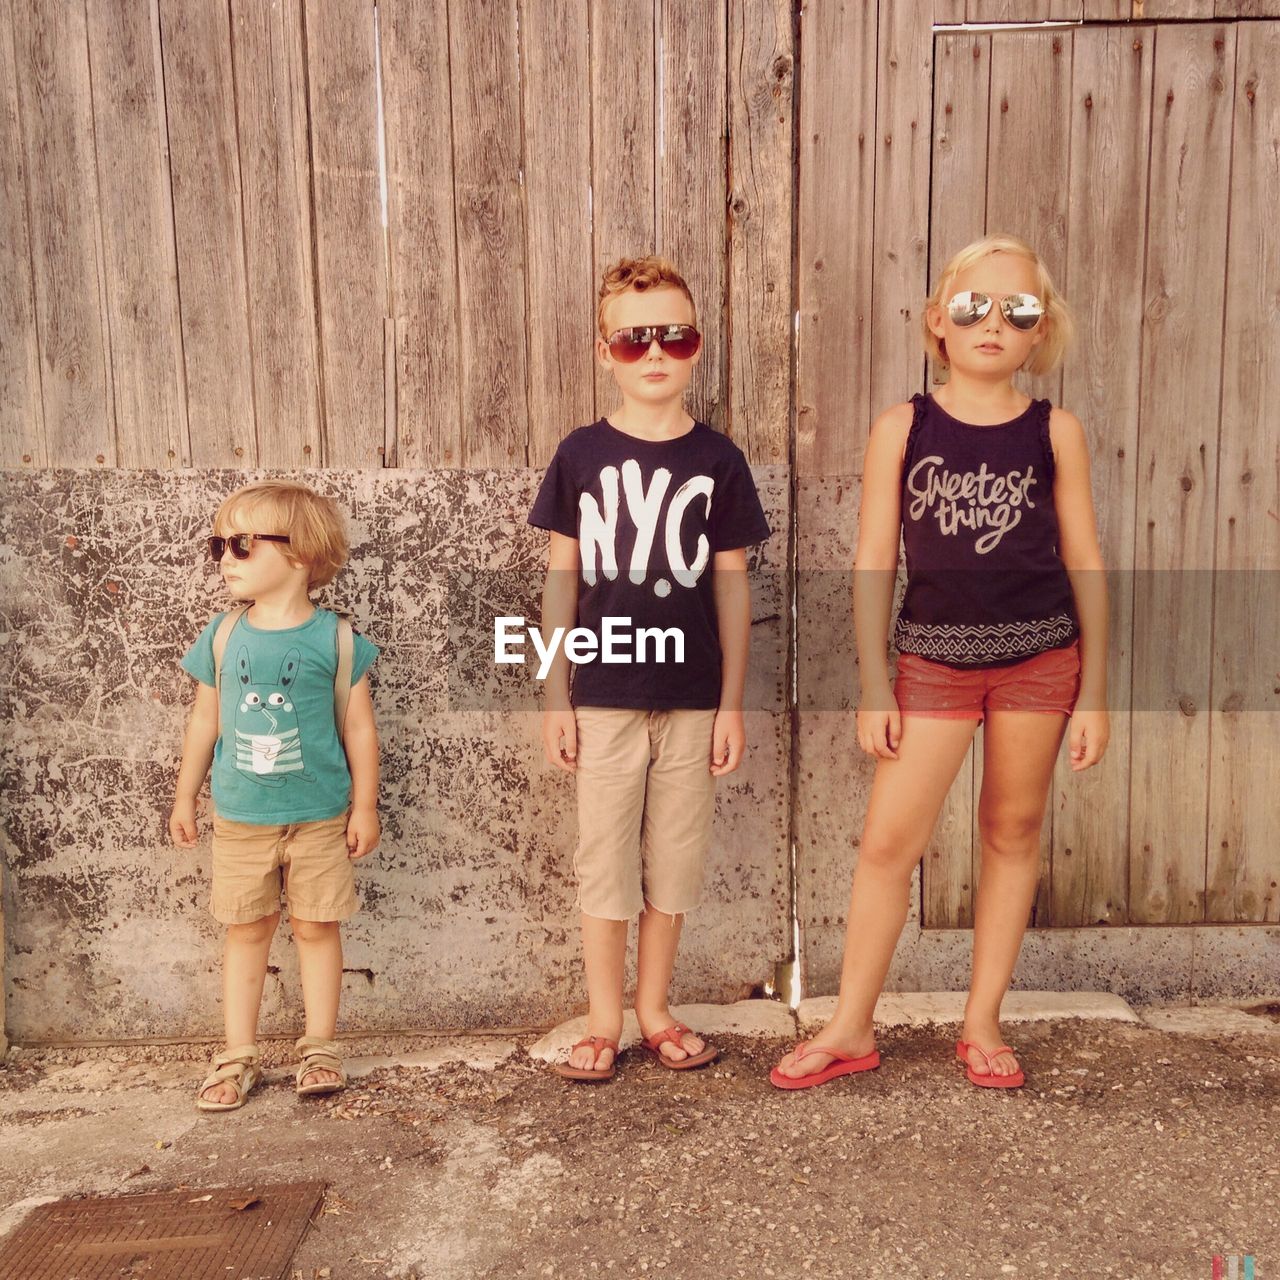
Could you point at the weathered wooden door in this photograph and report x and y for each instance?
(1141, 161)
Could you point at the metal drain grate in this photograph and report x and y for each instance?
(245, 1233)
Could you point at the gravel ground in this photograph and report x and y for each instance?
(1131, 1152)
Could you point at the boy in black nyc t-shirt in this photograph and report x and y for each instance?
(650, 515)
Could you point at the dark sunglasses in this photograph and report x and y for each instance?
(1022, 310)
(241, 544)
(678, 340)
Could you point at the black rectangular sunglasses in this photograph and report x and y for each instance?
(241, 544)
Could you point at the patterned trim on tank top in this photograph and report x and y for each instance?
(966, 643)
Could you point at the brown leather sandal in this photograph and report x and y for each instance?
(676, 1033)
(597, 1043)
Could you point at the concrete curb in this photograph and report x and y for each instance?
(923, 1008)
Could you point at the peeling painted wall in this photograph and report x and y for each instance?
(468, 915)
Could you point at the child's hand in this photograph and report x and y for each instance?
(363, 832)
(879, 723)
(728, 742)
(1090, 732)
(182, 824)
(555, 726)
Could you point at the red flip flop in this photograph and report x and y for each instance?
(845, 1064)
(988, 1079)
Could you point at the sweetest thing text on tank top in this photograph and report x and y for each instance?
(994, 502)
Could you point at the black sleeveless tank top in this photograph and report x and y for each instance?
(986, 586)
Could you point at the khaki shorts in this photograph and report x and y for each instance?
(250, 861)
(646, 798)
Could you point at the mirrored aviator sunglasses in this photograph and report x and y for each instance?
(680, 341)
(240, 544)
(1022, 310)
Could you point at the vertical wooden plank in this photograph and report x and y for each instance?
(961, 96)
(51, 57)
(1244, 731)
(1159, 9)
(759, 334)
(1025, 10)
(1246, 9)
(1177, 468)
(205, 171)
(1029, 153)
(904, 82)
(350, 266)
(557, 174)
(21, 413)
(424, 257)
(1110, 142)
(491, 267)
(271, 110)
(962, 81)
(1007, 11)
(1107, 10)
(948, 12)
(623, 142)
(691, 165)
(137, 234)
(837, 183)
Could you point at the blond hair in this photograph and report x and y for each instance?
(1058, 323)
(639, 274)
(316, 529)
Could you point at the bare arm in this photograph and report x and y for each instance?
(360, 741)
(733, 619)
(560, 609)
(1078, 546)
(875, 567)
(197, 754)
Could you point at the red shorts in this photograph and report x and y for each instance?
(1049, 681)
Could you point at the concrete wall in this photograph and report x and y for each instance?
(468, 913)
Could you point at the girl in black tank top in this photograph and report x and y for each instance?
(985, 584)
(987, 508)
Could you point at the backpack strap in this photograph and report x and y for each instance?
(220, 638)
(342, 677)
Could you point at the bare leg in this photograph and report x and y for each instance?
(906, 797)
(244, 970)
(659, 936)
(320, 968)
(1019, 750)
(604, 952)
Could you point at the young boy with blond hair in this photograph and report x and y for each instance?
(283, 712)
(650, 514)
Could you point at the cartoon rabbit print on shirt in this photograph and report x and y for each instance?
(267, 742)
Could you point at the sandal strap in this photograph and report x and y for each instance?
(246, 1053)
(231, 1066)
(676, 1032)
(987, 1055)
(602, 1041)
(597, 1044)
(807, 1046)
(318, 1055)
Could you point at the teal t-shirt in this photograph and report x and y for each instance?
(278, 758)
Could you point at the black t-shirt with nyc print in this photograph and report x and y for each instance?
(649, 516)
